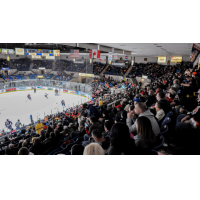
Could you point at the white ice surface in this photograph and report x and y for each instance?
(15, 105)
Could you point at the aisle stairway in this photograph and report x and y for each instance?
(31, 67)
(1, 79)
(127, 72)
(104, 70)
(53, 66)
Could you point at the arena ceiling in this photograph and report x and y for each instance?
(136, 49)
(153, 49)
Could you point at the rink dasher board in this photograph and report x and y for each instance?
(45, 90)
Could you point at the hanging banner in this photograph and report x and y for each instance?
(56, 52)
(90, 53)
(19, 51)
(195, 54)
(115, 56)
(50, 57)
(176, 59)
(161, 60)
(110, 54)
(126, 58)
(7, 51)
(36, 57)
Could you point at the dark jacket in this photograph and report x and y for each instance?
(37, 149)
(130, 149)
(96, 125)
(94, 112)
(165, 105)
(150, 100)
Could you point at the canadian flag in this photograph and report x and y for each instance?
(90, 53)
(96, 53)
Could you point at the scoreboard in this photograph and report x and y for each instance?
(41, 52)
(38, 52)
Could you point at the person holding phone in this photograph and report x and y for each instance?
(91, 124)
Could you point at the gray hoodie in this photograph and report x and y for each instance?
(150, 116)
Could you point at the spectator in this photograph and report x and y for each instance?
(37, 147)
(39, 127)
(10, 150)
(120, 141)
(151, 99)
(93, 149)
(24, 151)
(160, 114)
(98, 138)
(145, 138)
(77, 149)
(42, 135)
(165, 104)
(141, 110)
(92, 110)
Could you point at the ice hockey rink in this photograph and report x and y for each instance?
(15, 105)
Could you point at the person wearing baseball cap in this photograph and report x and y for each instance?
(119, 107)
(137, 100)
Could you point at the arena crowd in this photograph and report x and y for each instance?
(161, 118)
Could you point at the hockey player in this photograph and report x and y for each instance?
(8, 124)
(63, 103)
(18, 124)
(46, 95)
(56, 92)
(29, 96)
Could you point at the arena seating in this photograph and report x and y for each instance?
(62, 64)
(62, 78)
(118, 71)
(21, 64)
(76, 68)
(98, 68)
(42, 63)
(15, 77)
(172, 88)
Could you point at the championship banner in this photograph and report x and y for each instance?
(36, 57)
(115, 56)
(56, 52)
(7, 51)
(195, 54)
(126, 58)
(19, 51)
(110, 54)
(50, 57)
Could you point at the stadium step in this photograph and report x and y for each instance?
(104, 70)
(127, 72)
(31, 67)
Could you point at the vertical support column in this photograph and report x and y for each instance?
(98, 47)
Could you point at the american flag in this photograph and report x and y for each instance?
(74, 53)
